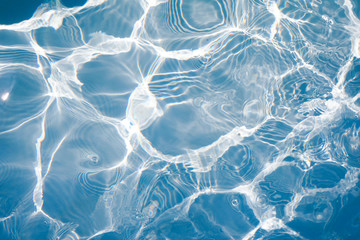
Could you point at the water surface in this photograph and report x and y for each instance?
(179, 119)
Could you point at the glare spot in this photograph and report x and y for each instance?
(5, 96)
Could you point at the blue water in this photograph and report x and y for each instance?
(179, 119)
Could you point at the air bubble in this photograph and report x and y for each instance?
(235, 202)
(93, 159)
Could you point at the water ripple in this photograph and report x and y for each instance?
(179, 119)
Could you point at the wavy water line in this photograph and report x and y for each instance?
(157, 92)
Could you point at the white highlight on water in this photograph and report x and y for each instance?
(143, 108)
(5, 96)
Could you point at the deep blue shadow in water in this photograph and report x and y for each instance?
(73, 3)
(15, 11)
(356, 5)
(346, 223)
(353, 78)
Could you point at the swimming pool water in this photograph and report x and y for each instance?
(180, 119)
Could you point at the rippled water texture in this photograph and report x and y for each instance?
(180, 119)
